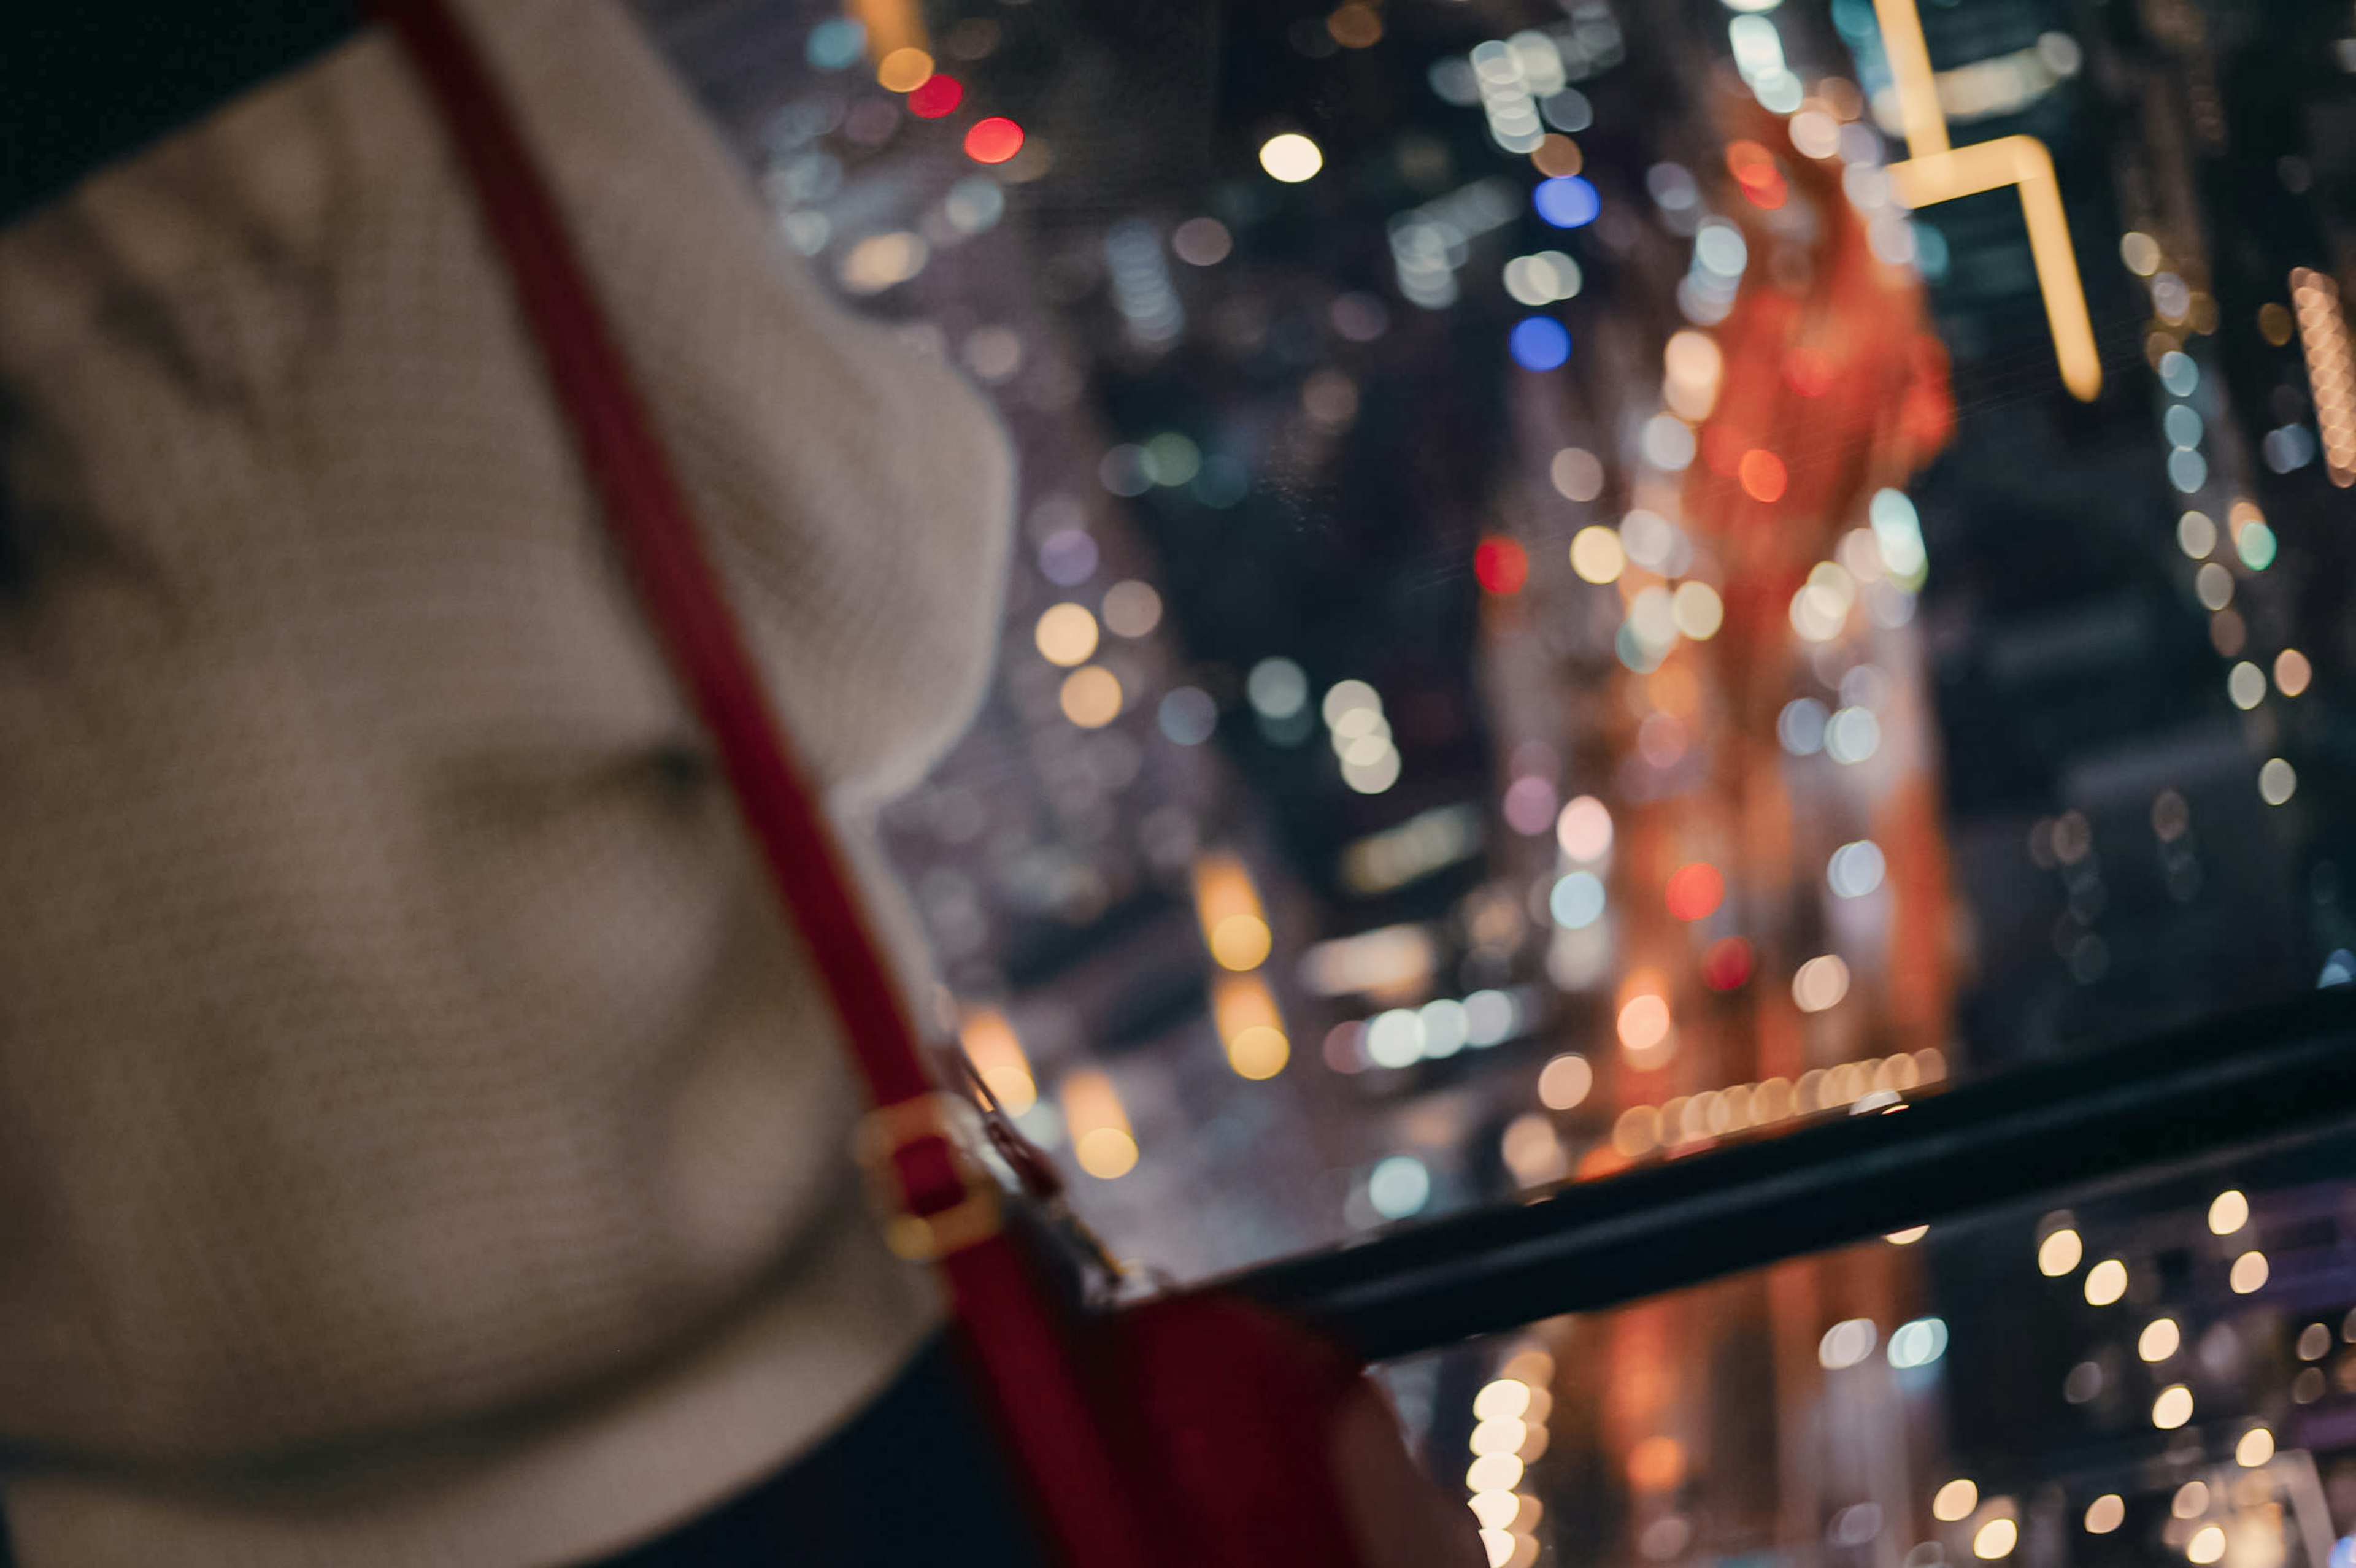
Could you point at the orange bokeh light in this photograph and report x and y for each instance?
(1762, 474)
(1656, 1464)
(993, 141)
(1695, 892)
(1754, 168)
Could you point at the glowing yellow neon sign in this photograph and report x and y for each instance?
(1936, 171)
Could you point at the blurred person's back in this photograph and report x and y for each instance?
(419, 1141)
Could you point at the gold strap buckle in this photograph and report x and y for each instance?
(926, 1238)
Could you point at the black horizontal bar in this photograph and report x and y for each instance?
(2141, 1109)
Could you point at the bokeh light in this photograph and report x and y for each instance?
(1565, 1081)
(2059, 1252)
(1132, 609)
(1820, 983)
(2292, 672)
(936, 97)
(1596, 554)
(1567, 201)
(994, 140)
(1290, 157)
(1398, 1187)
(1583, 831)
(1696, 610)
(1540, 343)
(1644, 1026)
(1726, 965)
(1762, 474)
(1577, 901)
(1501, 566)
(904, 69)
(1694, 891)
(1065, 634)
(1091, 696)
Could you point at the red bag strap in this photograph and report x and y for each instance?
(1016, 1349)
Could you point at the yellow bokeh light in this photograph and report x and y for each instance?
(1596, 554)
(2207, 1545)
(2228, 1212)
(1234, 924)
(1996, 1539)
(2249, 1272)
(1259, 1052)
(2257, 1446)
(1637, 1131)
(2058, 1254)
(1493, 1473)
(1241, 942)
(904, 69)
(2106, 1282)
(1506, 1398)
(999, 1060)
(1696, 610)
(1091, 696)
(1102, 1139)
(1907, 1237)
(1495, 1511)
(1105, 1153)
(1955, 1501)
(2105, 1514)
(1290, 157)
(2173, 1408)
(2159, 1340)
(1565, 1081)
(1065, 634)
(1501, 1435)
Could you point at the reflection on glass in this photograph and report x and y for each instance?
(1939, 1404)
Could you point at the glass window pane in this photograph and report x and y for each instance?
(1571, 597)
(2159, 1375)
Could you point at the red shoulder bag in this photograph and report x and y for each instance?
(1178, 1433)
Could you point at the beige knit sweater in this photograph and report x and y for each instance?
(421, 1140)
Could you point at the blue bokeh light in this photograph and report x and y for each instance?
(1540, 343)
(1567, 201)
(836, 44)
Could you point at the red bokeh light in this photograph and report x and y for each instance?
(938, 96)
(1762, 474)
(1727, 964)
(1695, 892)
(993, 141)
(1501, 565)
